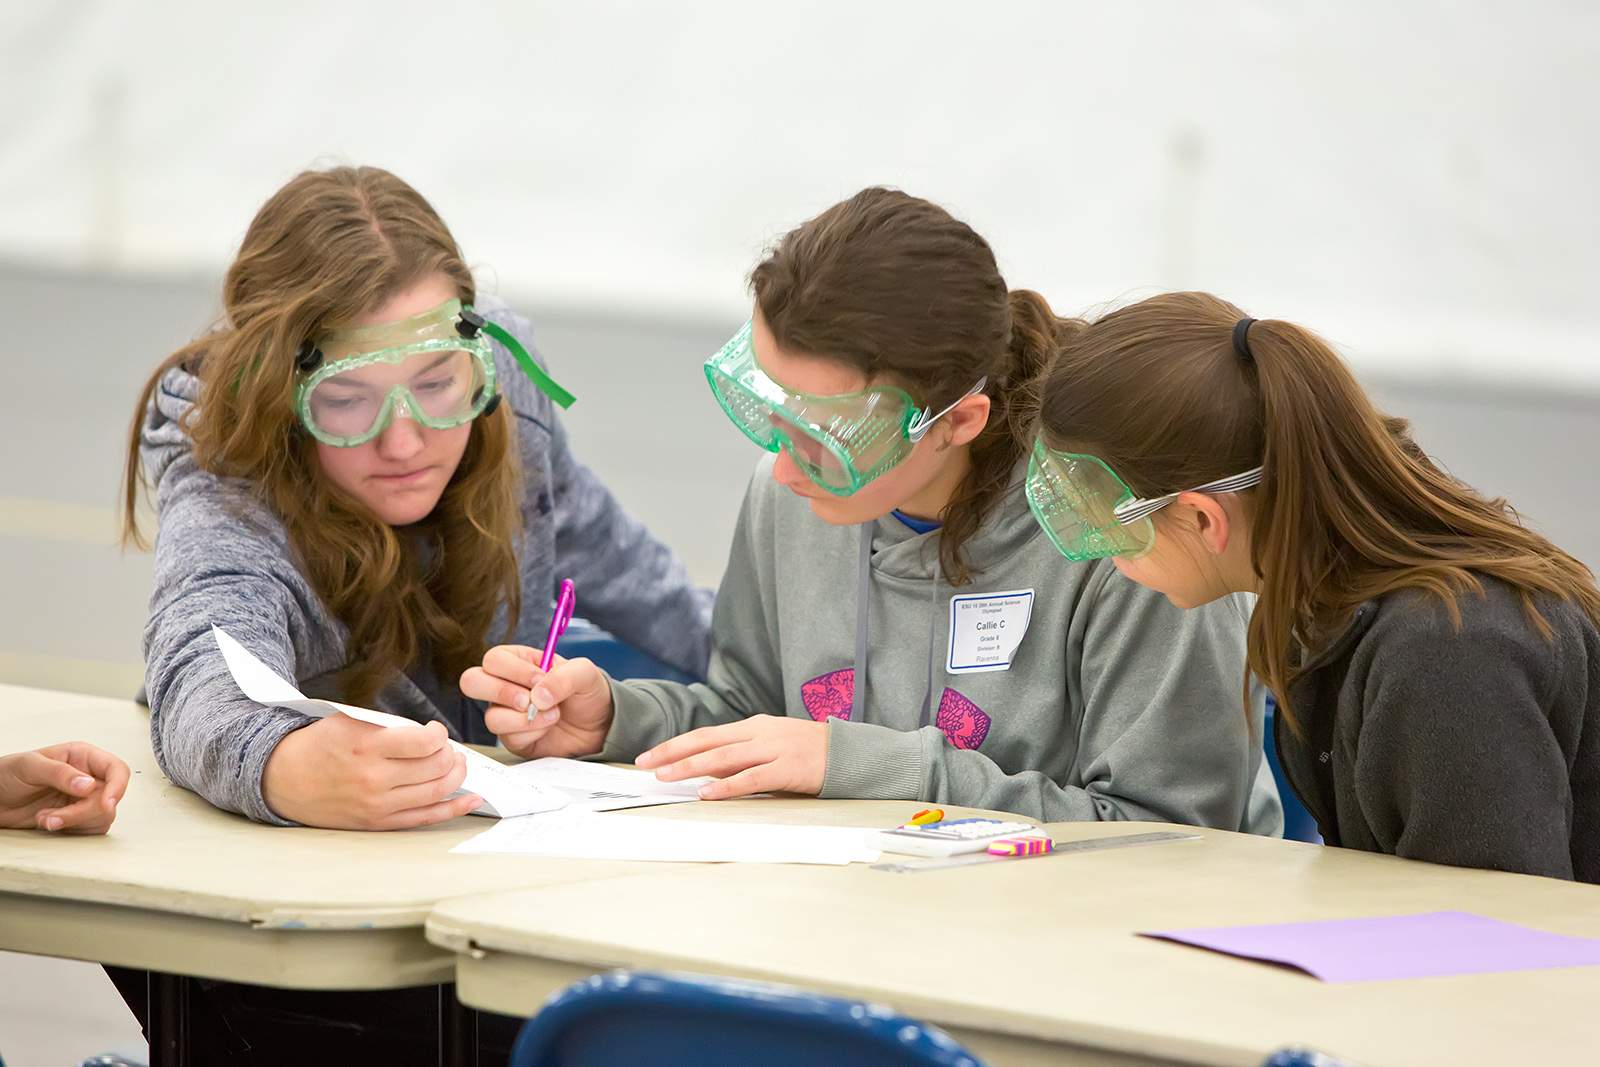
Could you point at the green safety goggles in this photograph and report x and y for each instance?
(840, 442)
(436, 368)
(1090, 513)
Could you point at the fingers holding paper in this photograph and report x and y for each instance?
(570, 706)
(761, 754)
(345, 774)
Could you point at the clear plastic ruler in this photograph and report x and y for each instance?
(1060, 848)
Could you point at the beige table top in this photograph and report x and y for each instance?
(180, 885)
(1044, 950)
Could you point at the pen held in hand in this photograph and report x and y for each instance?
(566, 603)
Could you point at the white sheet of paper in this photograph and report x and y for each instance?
(588, 835)
(504, 794)
(596, 787)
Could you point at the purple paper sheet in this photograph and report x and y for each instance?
(1396, 946)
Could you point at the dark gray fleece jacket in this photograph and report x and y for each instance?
(1474, 747)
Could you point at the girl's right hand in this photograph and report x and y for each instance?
(345, 774)
(572, 703)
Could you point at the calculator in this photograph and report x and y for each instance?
(950, 838)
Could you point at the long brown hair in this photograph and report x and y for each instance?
(899, 289)
(328, 247)
(1349, 507)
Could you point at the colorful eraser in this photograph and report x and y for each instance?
(1021, 846)
(923, 818)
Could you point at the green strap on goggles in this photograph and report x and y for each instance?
(536, 374)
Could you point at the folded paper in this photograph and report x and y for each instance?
(504, 793)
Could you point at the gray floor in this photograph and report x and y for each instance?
(54, 1013)
(77, 347)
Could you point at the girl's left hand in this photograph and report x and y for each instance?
(761, 754)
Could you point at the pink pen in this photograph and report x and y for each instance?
(566, 601)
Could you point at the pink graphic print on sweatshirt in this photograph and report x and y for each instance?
(962, 721)
(828, 696)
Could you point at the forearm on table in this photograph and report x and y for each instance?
(871, 762)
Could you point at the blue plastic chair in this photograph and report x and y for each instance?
(691, 1020)
(1302, 1057)
(1298, 824)
(584, 638)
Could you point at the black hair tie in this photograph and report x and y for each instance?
(1241, 339)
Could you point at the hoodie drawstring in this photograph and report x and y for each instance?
(858, 696)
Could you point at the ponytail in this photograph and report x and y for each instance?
(1036, 334)
(1351, 509)
(1348, 509)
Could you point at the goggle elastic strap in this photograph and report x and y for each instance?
(536, 374)
(919, 425)
(1130, 511)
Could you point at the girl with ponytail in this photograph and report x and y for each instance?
(1436, 664)
(892, 624)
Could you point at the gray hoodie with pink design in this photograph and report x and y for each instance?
(1116, 705)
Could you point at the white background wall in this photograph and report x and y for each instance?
(1418, 180)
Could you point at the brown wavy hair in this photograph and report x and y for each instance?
(327, 248)
(899, 289)
(1349, 507)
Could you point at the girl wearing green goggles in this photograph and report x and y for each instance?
(1436, 664)
(891, 622)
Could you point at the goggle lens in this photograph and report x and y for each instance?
(841, 443)
(439, 387)
(816, 459)
(1073, 497)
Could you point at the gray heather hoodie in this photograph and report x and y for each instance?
(222, 557)
(1116, 705)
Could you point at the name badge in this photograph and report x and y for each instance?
(986, 629)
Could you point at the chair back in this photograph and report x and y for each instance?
(1298, 823)
(1302, 1057)
(650, 1019)
(584, 638)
